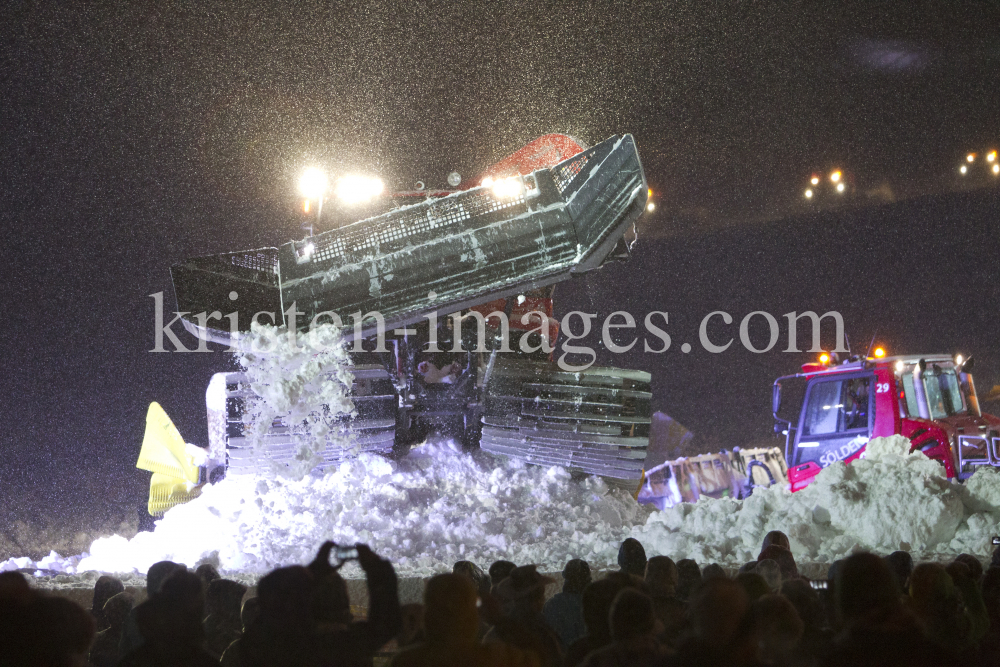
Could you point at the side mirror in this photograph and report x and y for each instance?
(923, 365)
(967, 365)
(776, 399)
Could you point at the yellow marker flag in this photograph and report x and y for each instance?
(163, 449)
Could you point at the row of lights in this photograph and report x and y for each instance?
(836, 177)
(351, 189)
(991, 161)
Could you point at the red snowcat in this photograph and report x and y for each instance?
(830, 410)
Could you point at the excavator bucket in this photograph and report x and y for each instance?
(164, 453)
(518, 233)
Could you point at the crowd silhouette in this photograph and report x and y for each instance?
(869, 610)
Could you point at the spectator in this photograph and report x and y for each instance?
(688, 578)
(104, 651)
(877, 630)
(661, 582)
(775, 538)
(207, 573)
(564, 611)
(248, 614)
(974, 564)
(38, 629)
(901, 565)
(284, 632)
(524, 626)
(771, 572)
(222, 624)
(305, 615)
(935, 601)
(499, 571)
(632, 557)
(597, 600)
(479, 579)
(721, 628)
(412, 631)
(816, 638)
(633, 622)
(105, 588)
(451, 622)
(490, 610)
(784, 559)
(989, 647)
(967, 583)
(778, 629)
(713, 571)
(171, 625)
(753, 585)
(155, 576)
(750, 567)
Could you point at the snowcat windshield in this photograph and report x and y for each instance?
(944, 394)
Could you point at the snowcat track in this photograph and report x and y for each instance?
(373, 429)
(595, 421)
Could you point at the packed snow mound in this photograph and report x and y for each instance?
(436, 506)
(891, 499)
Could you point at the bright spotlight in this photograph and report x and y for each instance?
(824, 358)
(507, 188)
(992, 157)
(879, 352)
(959, 360)
(900, 366)
(963, 169)
(650, 207)
(356, 189)
(835, 176)
(313, 183)
(971, 157)
(996, 169)
(809, 194)
(814, 180)
(840, 187)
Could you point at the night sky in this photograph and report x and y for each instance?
(135, 138)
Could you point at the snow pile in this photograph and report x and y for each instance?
(430, 509)
(304, 378)
(890, 500)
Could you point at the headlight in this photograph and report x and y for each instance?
(355, 189)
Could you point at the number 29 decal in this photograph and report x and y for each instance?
(881, 387)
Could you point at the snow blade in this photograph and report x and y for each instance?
(525, 232)
(594, 421)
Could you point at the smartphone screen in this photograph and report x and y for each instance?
(346, 553)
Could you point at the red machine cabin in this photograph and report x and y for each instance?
(829, 412)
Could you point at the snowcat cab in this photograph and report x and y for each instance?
(829, 411)
(545, 214)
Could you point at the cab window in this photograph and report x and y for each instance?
(837, 405)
